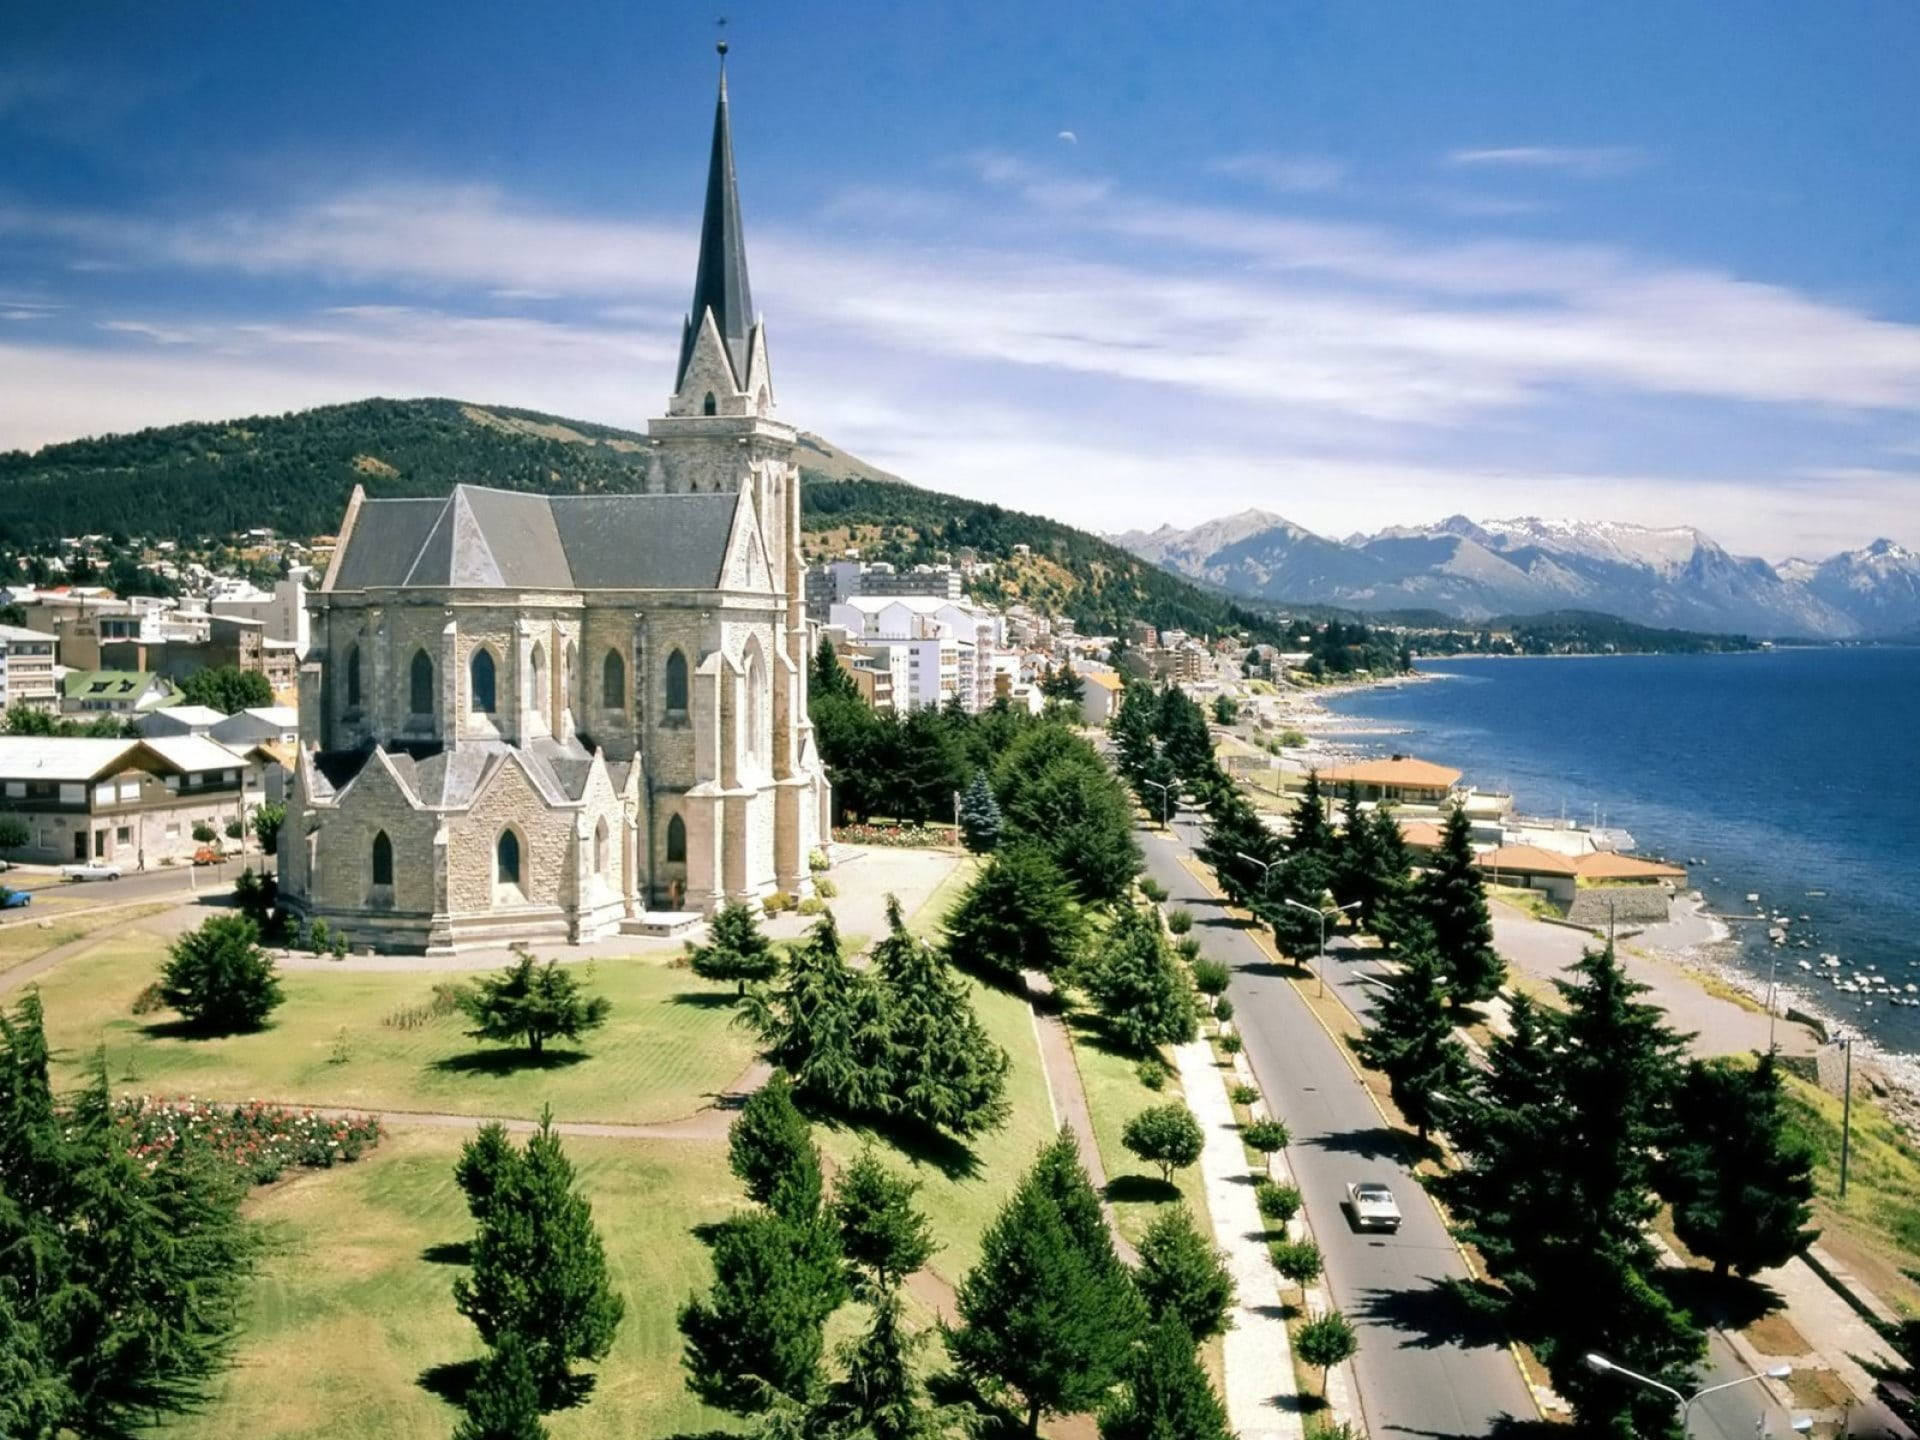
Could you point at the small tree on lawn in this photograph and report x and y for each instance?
(539, 1269)
(532, 1003)
(14, 835)
(980, 820)
(1165, 1135)
(945, 1069)
(884, 1238)
(1133, 980)
(770, 1147)
(266, 821)
(503, 1403)
(219, 977)
(1410, 1040)
(736, 949)
(1182, 1274)
(1226, 710)
(1740, 1181)
(1453, 902)
(1325, 1343)
(1018, 914)
(1167, 1392)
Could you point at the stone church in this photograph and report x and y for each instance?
(533, 717)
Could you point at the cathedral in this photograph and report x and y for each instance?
(535, 718)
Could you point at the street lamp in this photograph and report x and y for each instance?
(1166, 793)
(1601, 1365)
(1320, 970)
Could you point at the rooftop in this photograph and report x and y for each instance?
(1397, 770)
(1528, 860)
(1610, 865)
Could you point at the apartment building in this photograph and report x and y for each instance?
(26, 668)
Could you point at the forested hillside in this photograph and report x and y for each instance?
(292, 473)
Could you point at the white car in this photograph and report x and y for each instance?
(90, 870)
(1372, 1206)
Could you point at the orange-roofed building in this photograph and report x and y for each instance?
(1422, 836)
(1397, 779)
(1607, 867)
(1532, 868)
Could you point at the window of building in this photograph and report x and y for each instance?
(708, 407)
(676, 841)
(677, 685)
(173, 830)
(103, 794)
(756, 702)
(600, 848)
(123, 835)
(569, 675)
(613, 682)
(537, 679)
(480, 698)
(73, 794)
(353, 678)
(420, 684)
(382, 859)
(506, 859)
(129, 790)
(16, 789)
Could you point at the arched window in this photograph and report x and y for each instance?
(676, 841)
(756, 716)
(677, 684)
(382, 859)
(480, 698)
(569, 675)
(353, 678)
(506, 859)
(763, 400)
(420, 684)
(707, 406)
(613, 682)
(600, 848)
(537, 679)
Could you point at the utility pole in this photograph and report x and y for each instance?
(1846, 1115)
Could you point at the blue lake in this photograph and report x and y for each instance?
(1789, 771)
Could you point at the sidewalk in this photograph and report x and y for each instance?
(1068, 1096)
(1259, 1362)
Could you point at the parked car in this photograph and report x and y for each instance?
(91, 870)
(1371, 1206)
(207, 855)
(14, 899)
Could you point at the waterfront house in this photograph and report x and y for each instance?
(1397, 780)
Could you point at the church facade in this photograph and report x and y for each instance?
(532, 718)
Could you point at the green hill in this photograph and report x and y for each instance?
(292, 473)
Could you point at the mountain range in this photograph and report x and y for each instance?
(1671, 577)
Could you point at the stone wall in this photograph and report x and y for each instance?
(1631, 905)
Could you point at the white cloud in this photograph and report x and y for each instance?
(1288, 174)
(1592, 161)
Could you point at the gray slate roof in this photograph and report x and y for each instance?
(451, 778)
(486, 539)
(720, 283)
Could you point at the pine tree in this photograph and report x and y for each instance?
(486, 1169)
(770, 1148)
(531, 1003)
(1310, 833)
(1132, 729)
(1017, 915)
(32, 1396)
(1142, 997)
(880, 1395)
(884, 1238)
(1454, 906)
(1409, 1038)
(1739, 1180)
(828, 677)
(219, 977)
(1182, 1274)
(944, 1069)
(539, 1270)
(503, 1403)
(825, 1025)
(1301, 878)
(1354, 875)
(736, 949)
(1182, 728)
(1393, 890)
(1235, 831)
(980, 819)
(1167, 1395)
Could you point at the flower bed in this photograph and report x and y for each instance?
(919, 837)
(262, 1141)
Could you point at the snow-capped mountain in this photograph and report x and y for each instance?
(1673, 576)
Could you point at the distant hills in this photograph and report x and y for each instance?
(1676, 578)
(293, 473)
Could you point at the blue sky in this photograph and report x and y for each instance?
(1359, 264)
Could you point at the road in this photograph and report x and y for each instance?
(1423, 1368)
(174, 882)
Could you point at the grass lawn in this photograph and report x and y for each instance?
(1115, 1094)
(349, 1310)
(668, 1045)
(24, 940)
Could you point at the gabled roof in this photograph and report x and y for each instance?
(1528, 860)
(720, 282)
(192, 752)
(1611, 865)
(1400, 770)
(478, 538)
(58, 757)
(107, 684)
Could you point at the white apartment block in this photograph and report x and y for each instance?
(26, 669)
(961, 665)
(282, 611)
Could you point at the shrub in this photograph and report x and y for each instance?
(1245, 1094)
(320, 937)
(1297, 1261)
(1187, 947)
(811, 905)
(1279, 1203)
(1230, 1043)
(1210, 977)
(826, 889)
(777, 902)
(1152, 1073)
(817, 860)
(235, 829)
(338, 949)
(1266, 1136)
(1152, 889)
(204, 833)
(149, 1000)
(219, 978)
(1223, 1009)
(1179, 921)
(1165, 1135)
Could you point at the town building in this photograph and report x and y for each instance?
(1100, 695)
(258, 725)
(134, 803)
(949, 645)
(1397, 780)
(179, 720)
(27, 668)
(533, 718)
(281, 611)
(114, 692)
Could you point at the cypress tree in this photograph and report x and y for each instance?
(980, 819)
(736, 949)
(1454, 907)
(1017, 915)
(1184, 1275)
(1739, 1180)
(1167, 1395)
(945, 1071)
(1409, 1038)
(770, 1148)
(1142, 997)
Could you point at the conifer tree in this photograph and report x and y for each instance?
(736, 949)
(1235, 831)
(1393, 897)
(1058, 1173)
(829, 677)
(503, 1403)
(1354, 875)
(1740, 1182)
(1409, 1038)
(1017, 915)
(1301, 878)
(980, 820)
(219, 978)
(770, 1148)
(884, 1238)
(539, 1270)
(879, 1395)
(1182, 1274)
(530, 1003)
(1310, 833)
(824, 1024)
(944, 1070)
(1132, 728)
(1142, 997)
(1454, 907)
(1182, 728)
(1167, 1392)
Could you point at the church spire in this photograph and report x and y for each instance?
(720, 284)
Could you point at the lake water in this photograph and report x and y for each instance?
(1793, 773)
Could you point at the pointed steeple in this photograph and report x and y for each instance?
(720, 284)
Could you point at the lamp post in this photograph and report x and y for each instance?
(1166, 793)
(1320, 914)
(1601, 1365)
(1265, 866)
(1773, 995)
